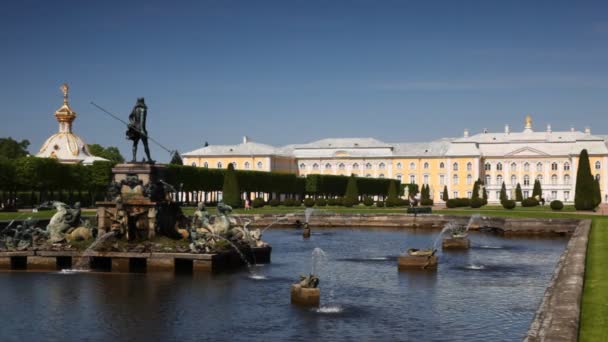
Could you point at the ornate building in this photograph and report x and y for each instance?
(64, 145)
(509, 157)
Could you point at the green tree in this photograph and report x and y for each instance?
(391, 196)
(352, 191)
(597, 193)
(584, 193)
(176, 159)
(12, 149)
(537, 190)
(231, 194)
(475, 193)
(519, 196)
(110, 153)
(445, 193)
(503, 193)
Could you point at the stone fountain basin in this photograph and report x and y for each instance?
(422, 262)
(305, 296)
(456, 243)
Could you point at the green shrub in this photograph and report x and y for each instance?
(321, 202)
(349, 202)
(368, 201)
(288, 202)
(274, 202)
(334, 201)
(426, 202)
(458, 202)
(557, 205)
(309, 202)
(477, 202)
(508, 204)
(258, 202)
(403, 202)
(380, 204)
(529, 202)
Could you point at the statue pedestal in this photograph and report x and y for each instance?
(145, 172)
(459, 243)
(306, 233)
(405, 262)
(305, 296)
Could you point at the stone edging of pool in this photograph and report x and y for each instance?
(557, 318)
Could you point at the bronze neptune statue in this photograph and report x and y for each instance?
(137, 128)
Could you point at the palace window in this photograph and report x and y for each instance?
(315, 166)
(328, 166)
(469, 179)
(426, 165)
(355, 166)
(381, 166)
(441, 165)
(399, 166)
(399, 176)
(412, 179)
(566, 195)
(526, 180)
(247, 165)
(219, 165)
(381, 175)
(455, 194)
(469, 166)
(567, 179)
(499, 167)
(455, 167)
(597, 176)
(193, 164)
(412, 166)
(441, 179)
(487, 167)
(553, 166)
(488, 180)
(539, 167)
(513, 167)
(233, 164)
(426, 179)
(526, 167)
(513, 180)
(205, 164)
(554, 179)
(540, 179)
(566, 166)
(341, 166)
(526, 193)
(455, 180)
(302, 166)
(598, 165)
(368, 166)
(499, 180)
(368, 175)
(260, 165)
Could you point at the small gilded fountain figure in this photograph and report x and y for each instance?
(137, 128)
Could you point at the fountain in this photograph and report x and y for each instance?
(459, 235)
(306, 292)
(424, 259)
(306, 231)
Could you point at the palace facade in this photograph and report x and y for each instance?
(509, 157)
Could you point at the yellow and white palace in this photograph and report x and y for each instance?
(509, 157)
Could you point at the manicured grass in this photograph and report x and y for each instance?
(25, 214)
(594, 310)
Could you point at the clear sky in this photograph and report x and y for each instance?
(287, 72)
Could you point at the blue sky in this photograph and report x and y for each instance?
(287, 71)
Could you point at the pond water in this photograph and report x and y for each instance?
(488, 293)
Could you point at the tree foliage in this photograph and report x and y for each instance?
(231, 194)
(503, 193)
(352, 191)
(176, 159)
(445, 193)
(110, 153)
(537, 191)
(519, 196)
(584, 193)
(12, 149)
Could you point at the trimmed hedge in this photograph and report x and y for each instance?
(557, 205)
(508, 204)
(320, 202)
(309, 202)
(529, 202)
(477, 202)
(458, 202)
(428, 202)
(258, 202)
(368, 201)
(274, 202)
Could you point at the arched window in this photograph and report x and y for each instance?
(488, 180)
(469, 179)
(315, 166)
(513, 180)
(205, 164)
(499, 180)
(328, 166)
(399, 176)
(598, 165)
(499, 167)
(554, 179)
(233, 164)
(469, 166)
(247, 165)
(540, 178)
(513, 167)
(487, 167)
(355, 166)
(539, 167)
(455, 167)
(554, 166)
(441, 165)
(526, 180)
(526, 166)
(341, 166)
(566, 166)
(260, 165)
(399, 166)
(219, 165)
(567, 179)
(412, 165)
(381, 175)
(381, 166)
(368, 175)
(597, 176)
(455, 180)
(426, 179)
(412, 179)
(193, 163)
(368, 166)
(426, 165)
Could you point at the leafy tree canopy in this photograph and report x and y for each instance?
(110, 153)
(12, 149)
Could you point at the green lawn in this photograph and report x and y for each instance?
(594, 310)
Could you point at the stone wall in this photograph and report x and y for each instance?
(557, 318)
